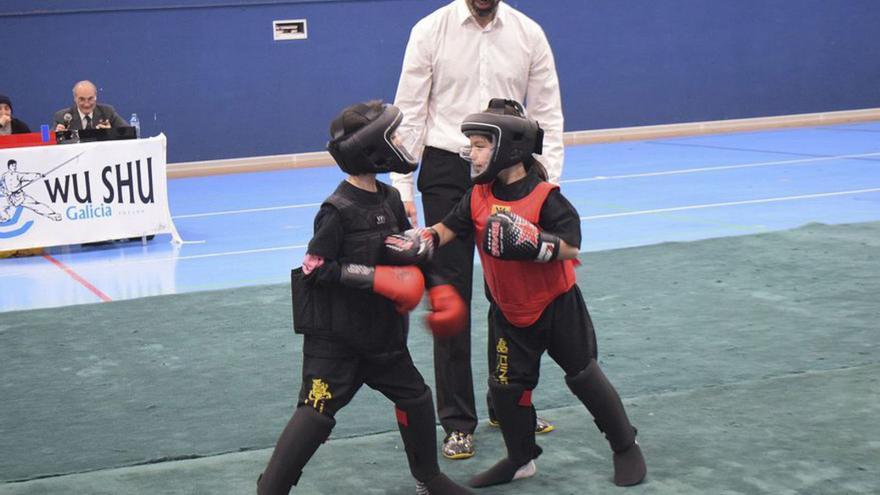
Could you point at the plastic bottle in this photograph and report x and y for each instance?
(134, 122)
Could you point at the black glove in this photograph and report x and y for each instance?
(512, 237)
(412, 247)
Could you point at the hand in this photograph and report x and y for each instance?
(60, 128)
(509, 236)
(411, 213)
(103, 124)
(448, 316)
(409, 248)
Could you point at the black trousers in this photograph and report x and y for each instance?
(443, 180)
(333, 371)
(564, 330)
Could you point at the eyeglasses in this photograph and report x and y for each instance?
(84, 99)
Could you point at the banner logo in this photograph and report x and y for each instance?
(14, 199)
(57, 195)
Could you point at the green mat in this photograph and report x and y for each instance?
(796, 434)
(94, 387)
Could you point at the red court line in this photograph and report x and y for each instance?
(85, 283)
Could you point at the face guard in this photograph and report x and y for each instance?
(479, 155)
(514, 136)
(373, 148)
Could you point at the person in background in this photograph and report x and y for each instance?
(351, 299)
(86, 112)
(451, 68)
(8, 123)
(529, 240)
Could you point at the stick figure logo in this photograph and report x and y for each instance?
(14, 199)
(12, 184)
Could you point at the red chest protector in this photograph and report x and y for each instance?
(521, 289)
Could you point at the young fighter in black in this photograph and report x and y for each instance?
(351, 298)
(528, 237)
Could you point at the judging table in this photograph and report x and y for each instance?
(86, 192)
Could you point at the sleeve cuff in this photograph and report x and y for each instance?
(404, 185)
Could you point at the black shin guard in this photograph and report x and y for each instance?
(418, 429)
(302, 436)
(592, 387)
(442, 485)
(514, 410)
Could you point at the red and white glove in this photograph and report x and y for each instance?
(403, 285)
(511, 237)
(411, 247)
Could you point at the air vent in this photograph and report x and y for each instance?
(292, 29)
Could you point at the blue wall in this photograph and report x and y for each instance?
(207, 73)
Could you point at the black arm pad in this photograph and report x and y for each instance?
(357, 276)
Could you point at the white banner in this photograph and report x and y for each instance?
(77, 193)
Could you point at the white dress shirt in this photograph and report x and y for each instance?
(453, 67)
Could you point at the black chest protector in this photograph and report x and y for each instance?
(360, 317)
(365, 226)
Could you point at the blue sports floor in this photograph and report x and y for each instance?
(250, 229)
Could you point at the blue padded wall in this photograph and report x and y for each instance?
(208, 74)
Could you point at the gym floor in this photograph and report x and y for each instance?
(250, 229)
(748, 362)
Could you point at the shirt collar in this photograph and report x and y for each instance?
(463, 13)
(82, 116)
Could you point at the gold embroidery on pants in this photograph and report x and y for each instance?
(501, 364)
(319, 393)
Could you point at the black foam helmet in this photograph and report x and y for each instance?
(361, 140)
(514, 135)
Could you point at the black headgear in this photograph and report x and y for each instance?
(361, 140)
(5, 99)
(515, 136)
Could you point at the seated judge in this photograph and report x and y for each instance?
(86, 112)
(8, 123)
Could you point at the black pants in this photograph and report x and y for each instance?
(564, 331)
(333, 371)
(443, 180)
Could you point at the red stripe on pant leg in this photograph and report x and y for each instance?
(401, 417)
(525, 399)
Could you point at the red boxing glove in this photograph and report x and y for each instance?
(448, 315)
(402, 284)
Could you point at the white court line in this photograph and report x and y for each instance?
(250, 210)
(730, 203)
(584, 218)
(720, 167)
(571, 181)
(128, 262)
(590, 217)
(215, 255)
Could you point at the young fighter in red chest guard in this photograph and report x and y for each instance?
(528, 237)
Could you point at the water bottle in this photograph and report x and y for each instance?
(134, 122)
